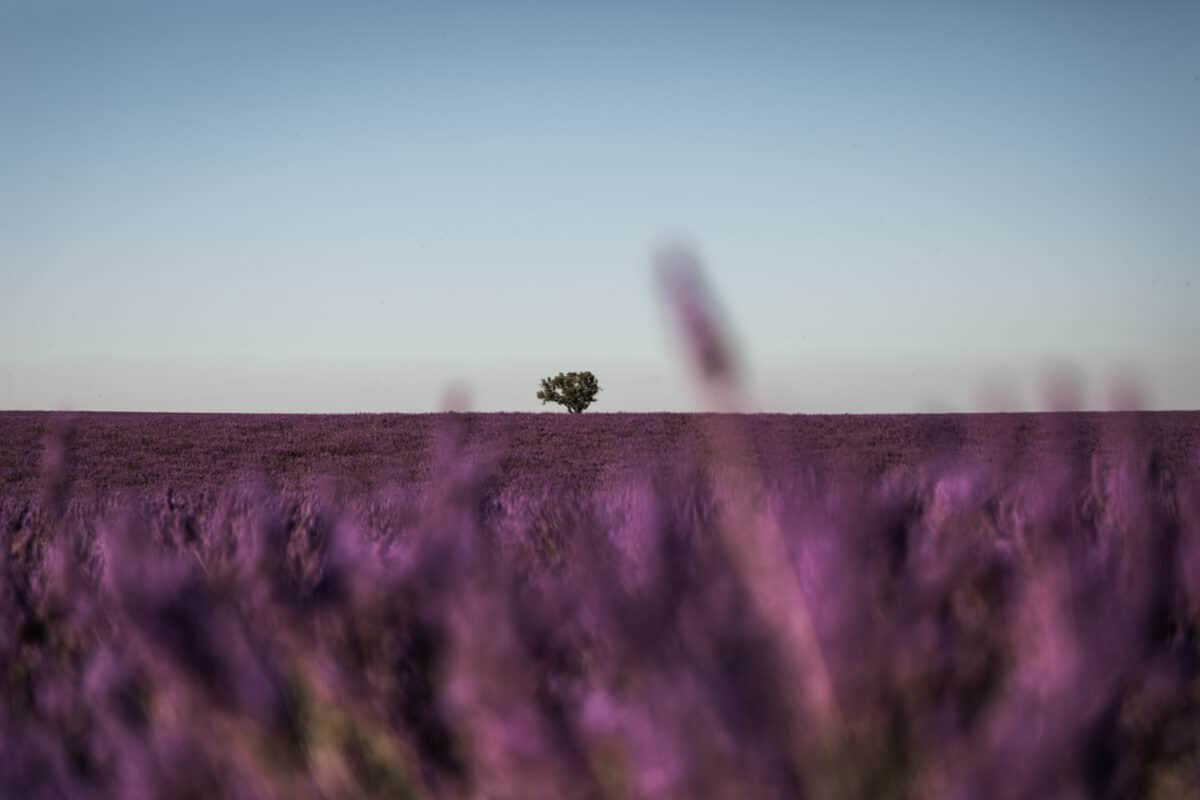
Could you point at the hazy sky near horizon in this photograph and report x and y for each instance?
(327, 206)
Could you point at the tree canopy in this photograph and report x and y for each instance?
(575, 390)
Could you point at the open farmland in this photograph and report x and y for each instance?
(600, 605)
(126, 451)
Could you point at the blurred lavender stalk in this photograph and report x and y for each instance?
(752, 538)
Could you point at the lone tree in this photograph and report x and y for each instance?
(575, 390)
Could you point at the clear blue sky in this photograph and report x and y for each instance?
(349, 206)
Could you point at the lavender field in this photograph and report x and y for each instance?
(600, 605)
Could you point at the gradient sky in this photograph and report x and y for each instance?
(352, 206)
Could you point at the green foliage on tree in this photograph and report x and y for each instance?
(575, 390)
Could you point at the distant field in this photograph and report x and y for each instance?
(188, 451)
(600, 606)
